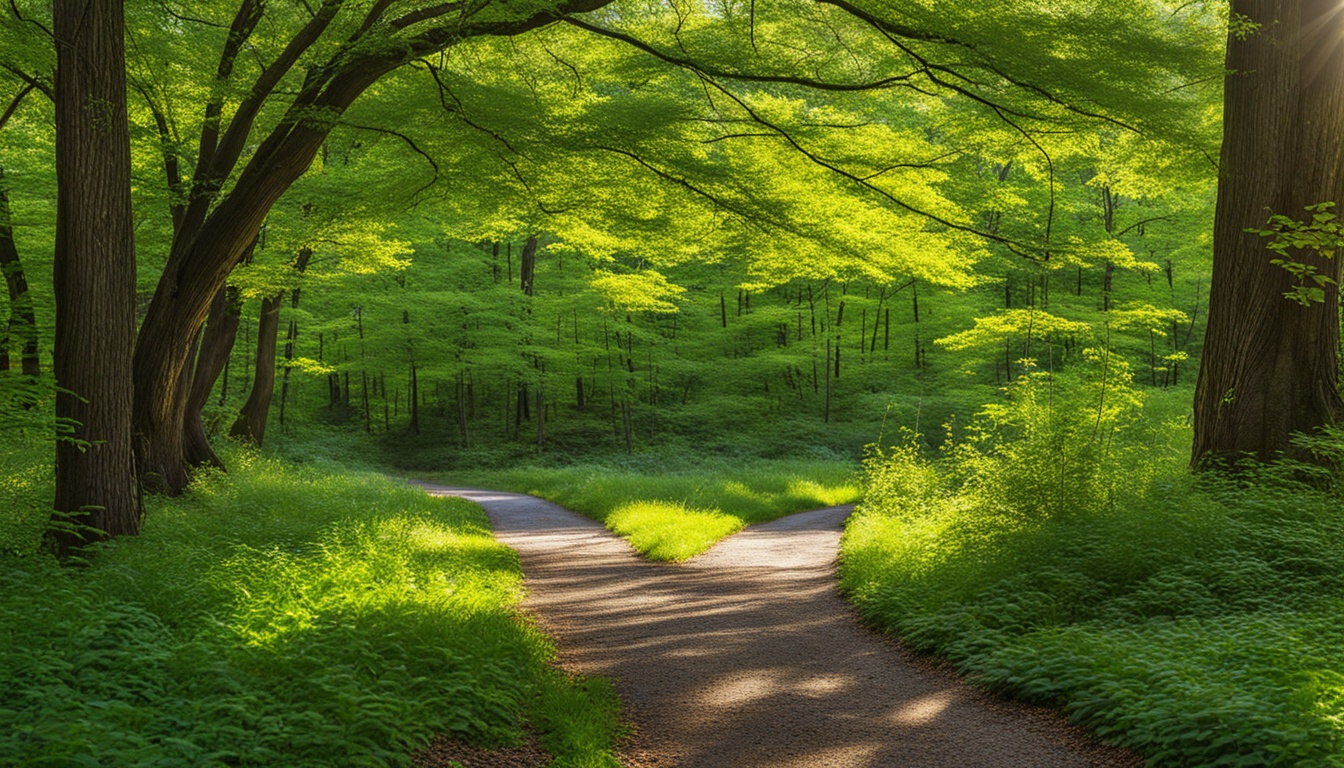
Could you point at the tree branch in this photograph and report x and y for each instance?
(41, 87)
(409, 142)
(14, 103)
(891, 30)
(685, 63)
(171, 170)
(1015, 247)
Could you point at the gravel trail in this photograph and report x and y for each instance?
(747, 656)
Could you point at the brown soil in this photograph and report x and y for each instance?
(747, 655)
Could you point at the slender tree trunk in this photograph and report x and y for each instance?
(300, 264)
(250, 425)
(1270, 365)
(22, 324)
(541, 417)
(527, 269)
(221, 330)
(414, 402)
(94, 273)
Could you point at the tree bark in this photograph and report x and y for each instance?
(217, 229)
(22, 324)
(250, 425)
(94, 272)
(1270, 365)
(527, 269)
(221, 330)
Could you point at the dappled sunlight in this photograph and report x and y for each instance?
(277, 615)
(740, 690)
(747, 651)
(924, 709)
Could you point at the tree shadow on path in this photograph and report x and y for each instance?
(748, 656)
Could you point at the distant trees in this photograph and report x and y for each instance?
(1271, 366)
(675, 136)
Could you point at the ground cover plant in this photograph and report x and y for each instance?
(674, 515)
(1076, 562)
(284, 616)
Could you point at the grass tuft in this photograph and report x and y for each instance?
(678, 512)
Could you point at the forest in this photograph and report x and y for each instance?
(1046, 289)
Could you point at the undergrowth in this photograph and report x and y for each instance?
(1062, 552)
(674, 513)
(282, 616)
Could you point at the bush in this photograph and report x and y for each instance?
(1193, 618)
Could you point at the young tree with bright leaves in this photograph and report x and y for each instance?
(94, 272)
(1271, 365)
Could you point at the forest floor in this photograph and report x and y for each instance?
(748, 656)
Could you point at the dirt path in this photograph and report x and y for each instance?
(747, 656)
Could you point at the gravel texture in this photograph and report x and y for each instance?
(747, 655)
(446, 753)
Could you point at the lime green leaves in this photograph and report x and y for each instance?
(1321, 235)
(646, 291)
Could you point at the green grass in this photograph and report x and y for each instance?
(1194, 619)
(681, 511)
(284, 616)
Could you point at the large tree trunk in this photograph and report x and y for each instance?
(197, 267)
(251, 422)
(94, 273)
(1270, 365)
(22, 324)
(221, 329)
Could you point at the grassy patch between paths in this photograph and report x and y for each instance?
(283, 616)
(676, 515)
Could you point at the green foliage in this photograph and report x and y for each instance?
(1323, 235)
(674, 515)
(1193, 618)
(282, 616)
(27, 422)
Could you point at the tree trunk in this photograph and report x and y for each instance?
(527, 270)
(300, 264)
(251, 422)
(22, 324)
(414, 402)
(94, 272)
(221, 329)
(1270, 365)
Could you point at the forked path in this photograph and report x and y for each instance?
(747, 656)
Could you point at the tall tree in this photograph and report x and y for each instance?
(94, 274)
(251, 422)
(214, 227)
(1270, 365)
